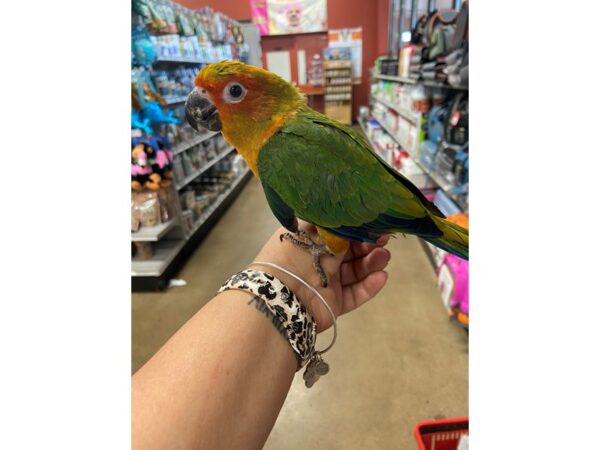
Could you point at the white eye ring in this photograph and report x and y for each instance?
(234, 92)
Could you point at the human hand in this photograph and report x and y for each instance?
(354, 278)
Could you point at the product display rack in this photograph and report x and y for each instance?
(171, 244)
(209, 213)
(169, 254)
(178, 60)
(416, 120)
(174, 100)
(434, 177)
(187, 180)
(153, 234)
(184, 38)
(192, 142)
(424, 82)
(338, 90)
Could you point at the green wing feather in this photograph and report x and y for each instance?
(328, 176)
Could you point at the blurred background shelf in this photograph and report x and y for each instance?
(194, 141)
(187, 180)
(152, 234)
(165, 252)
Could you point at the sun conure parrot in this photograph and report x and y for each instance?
(312, 167)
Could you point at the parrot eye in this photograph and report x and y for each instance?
(234, 92)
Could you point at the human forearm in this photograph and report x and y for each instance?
(189, 395)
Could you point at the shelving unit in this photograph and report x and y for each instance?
(416, 121)
(176, 239)
(169, 254)
(153, 234)
(165, 252)
(176, 60)
(219, 201)
(187, 180)
(171, 244)
(194, 141)
(338, 90)
(424, 82)
(173, 100)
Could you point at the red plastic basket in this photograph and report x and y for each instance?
(441, 434)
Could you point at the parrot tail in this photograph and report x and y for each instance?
(455, 239)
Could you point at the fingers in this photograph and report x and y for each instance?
(358, 269)
(358, 294)
(383, 240)
(360, 249)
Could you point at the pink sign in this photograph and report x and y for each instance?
(260, 15)
(289, 16)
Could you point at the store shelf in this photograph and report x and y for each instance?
(433, 176)
(178, 60)
(204, 168)
(391, 133)
(154, 274)
(164, 253)
(411, 117)
(374, 145)
(396, 79)
(424, 82)
(172, 100)
(444, 186)
(364, 130)
(194, 141)
(206, 215)
(151, 234)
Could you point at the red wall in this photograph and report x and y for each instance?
(372, 16)
(236, 9)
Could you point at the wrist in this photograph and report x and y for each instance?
(303, 294)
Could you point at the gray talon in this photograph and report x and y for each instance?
(302, 240)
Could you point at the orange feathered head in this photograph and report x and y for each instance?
(231, 93)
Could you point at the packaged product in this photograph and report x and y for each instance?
(166, 198)
(147, 207)
(144, 251)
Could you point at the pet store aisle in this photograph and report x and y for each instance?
(398, 360)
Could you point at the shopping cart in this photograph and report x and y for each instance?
(441, 434)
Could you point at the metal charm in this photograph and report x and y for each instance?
(315, 369)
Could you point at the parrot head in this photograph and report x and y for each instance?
(241, 100)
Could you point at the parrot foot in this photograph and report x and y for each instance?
(301, 239)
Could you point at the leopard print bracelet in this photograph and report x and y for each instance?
(300, 328)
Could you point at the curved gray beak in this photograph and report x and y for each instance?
(200, 112)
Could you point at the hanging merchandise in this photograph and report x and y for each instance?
(143, 50)
(153, 112)
(138, 123)
(202, 36)
(143, 89)
(182, 19)
(457, 124)
(150, 14)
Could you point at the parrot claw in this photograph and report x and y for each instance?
(301, 239)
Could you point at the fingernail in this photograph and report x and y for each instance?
(383, 240)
